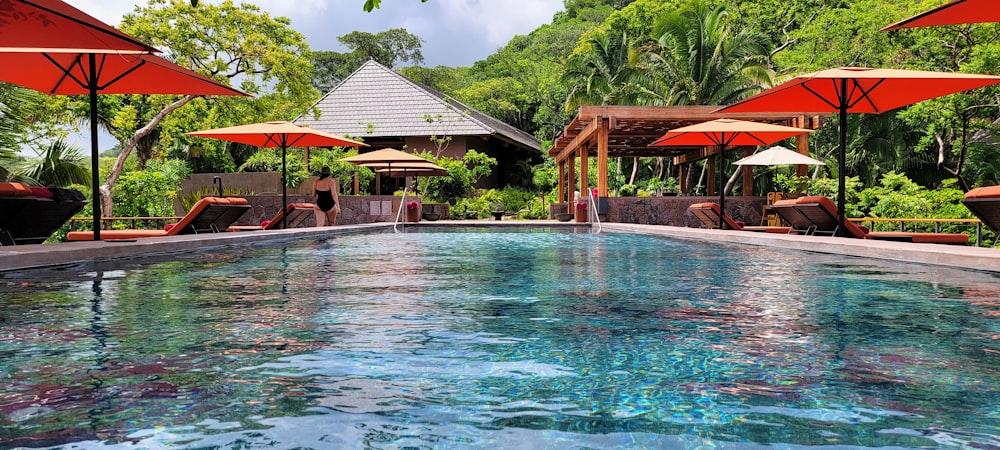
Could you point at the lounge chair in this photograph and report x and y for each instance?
(29, 215)
(817, 214)
(209, 215)
(297, 213)
(984, 202)
(708, 213)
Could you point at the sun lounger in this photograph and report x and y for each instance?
(984, 202)
(708, 214)
(209, 215)
(29, 215)
(818, 215)
(297, 213)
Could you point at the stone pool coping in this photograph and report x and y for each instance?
(45, 255)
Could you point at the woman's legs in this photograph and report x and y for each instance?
(331, 217)
(320, 217)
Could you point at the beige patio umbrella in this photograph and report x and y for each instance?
(392, 158)
(778, 156)
(278, 134)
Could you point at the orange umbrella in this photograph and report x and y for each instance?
(57, 26)
(857, 90)
(725, 133)
(278, 134)
(953, 13)
(49, 46)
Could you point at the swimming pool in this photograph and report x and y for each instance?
(485, 339)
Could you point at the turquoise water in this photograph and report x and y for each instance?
(481, 339)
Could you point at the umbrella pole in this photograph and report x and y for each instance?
(95, 168)
(284, 187)
(842, 167)
(720, 181)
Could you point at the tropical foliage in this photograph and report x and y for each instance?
(633, 52)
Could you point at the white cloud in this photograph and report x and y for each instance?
(500, 20)
(455, 32)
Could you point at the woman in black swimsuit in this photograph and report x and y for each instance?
(325, 189)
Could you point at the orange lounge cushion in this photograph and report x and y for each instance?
(984, 192)
(923, 238)
(114, 234)
(15, 190)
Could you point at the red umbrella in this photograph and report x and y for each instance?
(278, 135)
(49, 46)
(725, 133)
(858, 90)
(953, 13)
(57, 26)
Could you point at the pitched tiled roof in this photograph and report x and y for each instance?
(375, 101)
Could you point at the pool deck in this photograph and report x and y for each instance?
(44, 255)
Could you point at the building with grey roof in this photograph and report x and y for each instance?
(388, 110)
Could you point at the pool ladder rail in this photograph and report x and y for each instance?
(597, 217)
(402, 204)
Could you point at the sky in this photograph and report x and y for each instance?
(456, 33)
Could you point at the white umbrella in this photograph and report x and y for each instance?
(778, 156)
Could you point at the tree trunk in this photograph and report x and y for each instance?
(635, 169)
(107, 203)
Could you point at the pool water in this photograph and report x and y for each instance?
(487, 339)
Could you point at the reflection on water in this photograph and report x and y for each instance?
(499, 340)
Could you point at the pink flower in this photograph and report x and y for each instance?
(412, 205)
(581, 205)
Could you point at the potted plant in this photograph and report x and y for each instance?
(581, 211)
(412, 211)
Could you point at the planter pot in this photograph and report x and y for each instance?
(581, 215)
(431, 216)
(564, 217)
(413, 215)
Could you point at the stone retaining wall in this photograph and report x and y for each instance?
(671, 210)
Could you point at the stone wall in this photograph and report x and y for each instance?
(354, 209)
(671, 210)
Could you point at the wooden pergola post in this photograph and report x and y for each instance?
(571, 182)
(562, 182)
(711, 164)
(602, 157)
(584, 182)
(747, 174)
(802, 146)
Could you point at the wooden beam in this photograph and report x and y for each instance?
(581, 140)
(696, 155)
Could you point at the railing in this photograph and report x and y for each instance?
(903, 222)
(137, 223)
(597, 217)
(402, 204)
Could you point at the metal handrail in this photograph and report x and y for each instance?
(402, 204)
(597, 218)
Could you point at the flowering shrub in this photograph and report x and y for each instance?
(581, 205)
(412, 205)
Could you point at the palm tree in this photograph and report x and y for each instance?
(698, 57)
(59, 164)
(701, 59)
(601, 76)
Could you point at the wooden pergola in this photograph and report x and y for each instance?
(627, 131)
